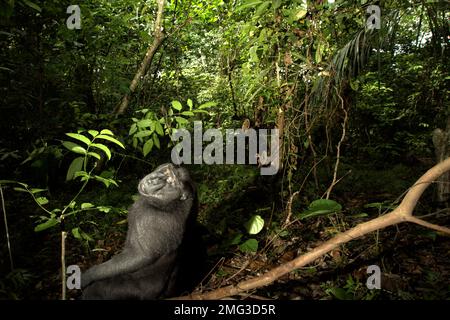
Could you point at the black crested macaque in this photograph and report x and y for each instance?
(158, 223)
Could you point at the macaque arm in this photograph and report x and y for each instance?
(125, 262)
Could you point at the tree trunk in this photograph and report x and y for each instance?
(158, 39)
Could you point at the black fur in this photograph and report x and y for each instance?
(147, 267)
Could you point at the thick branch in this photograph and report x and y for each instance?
(403, 213)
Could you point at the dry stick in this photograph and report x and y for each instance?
(291, 199)
(6, 229)
(63, 264)
(245, 265)
(338, 151)
(403, 213)
(289, 209)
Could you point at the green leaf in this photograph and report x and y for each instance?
(42, 200)
(207, 105)
(72, 204)
(32, 5)
(255, 224)
(113, 140)
(47, 224)
(145, 123)
(106, 182)
(177, 105)
(236, 240)
(354, 84)
(276, 4)
(93, 133)
(189, 103)
(144, 133)
(262, 8)
(20, 189)
(148, 145)
(251, 3)
(340, 293)
(104, 148)
(76, 233)
(85, 236)
(79, 137)
(95, 155)
(377, 205)
(187, 113)
(156, 141)
(318, 55)
(251, 245)
(107, 132)
(158, 128)
(83, 174)
(86, 205)
(74, 147)
(35, 190)
(181, 120)
(75, 166)
(300, 14)
(133, 129)
(13, 182)
(321, 207)
(104, 209)
(254, 54)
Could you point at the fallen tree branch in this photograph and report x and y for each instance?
(403, 213)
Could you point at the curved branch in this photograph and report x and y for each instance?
(403, 213)
(158, 39)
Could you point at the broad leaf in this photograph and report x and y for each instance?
(86, 205)
(75, 166)
(74, 147)
(255, 224)
(148, 145)
(95, 155)
(79, 137)
(107, 131)
(207, 105)
(158, 128)
(156, 141)
(189, 103)
(109, 138)
(251, 245)
(321, 207)
(181, 120)
(47, 224)
(93, 133)
(177, 105)
(42, 200)
(144, 133)
(76, 233)
(104, 148)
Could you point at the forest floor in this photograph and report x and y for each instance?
(414, 261)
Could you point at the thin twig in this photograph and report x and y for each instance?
(6, 229)
(338, 151)
(63, 264)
